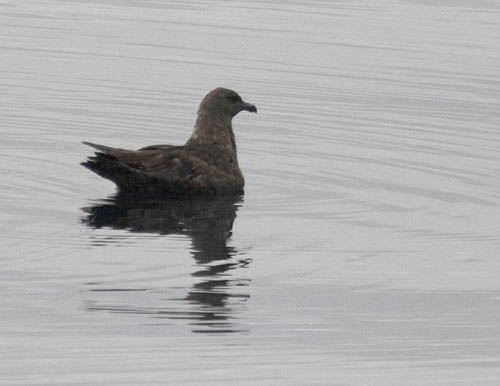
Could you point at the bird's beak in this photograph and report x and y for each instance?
(248, 107)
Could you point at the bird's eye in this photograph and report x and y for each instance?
(234, 98)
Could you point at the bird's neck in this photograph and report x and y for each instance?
(213, 130)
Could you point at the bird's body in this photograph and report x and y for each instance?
(206, 164)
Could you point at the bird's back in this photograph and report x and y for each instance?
(167, 169)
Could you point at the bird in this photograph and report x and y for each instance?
(207, 164)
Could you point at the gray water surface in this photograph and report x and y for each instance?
(365, 250)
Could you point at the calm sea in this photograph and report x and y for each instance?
(365, 251)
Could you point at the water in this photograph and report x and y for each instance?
(364, 251)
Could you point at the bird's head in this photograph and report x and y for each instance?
(225, 102)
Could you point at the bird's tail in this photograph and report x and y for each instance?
(101, 148)
(110, 167)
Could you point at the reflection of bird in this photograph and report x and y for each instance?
(206, 164)
(218, 295)
(208, 221)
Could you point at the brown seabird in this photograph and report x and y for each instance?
(206, 164)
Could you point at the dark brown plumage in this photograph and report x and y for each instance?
(206, 164)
